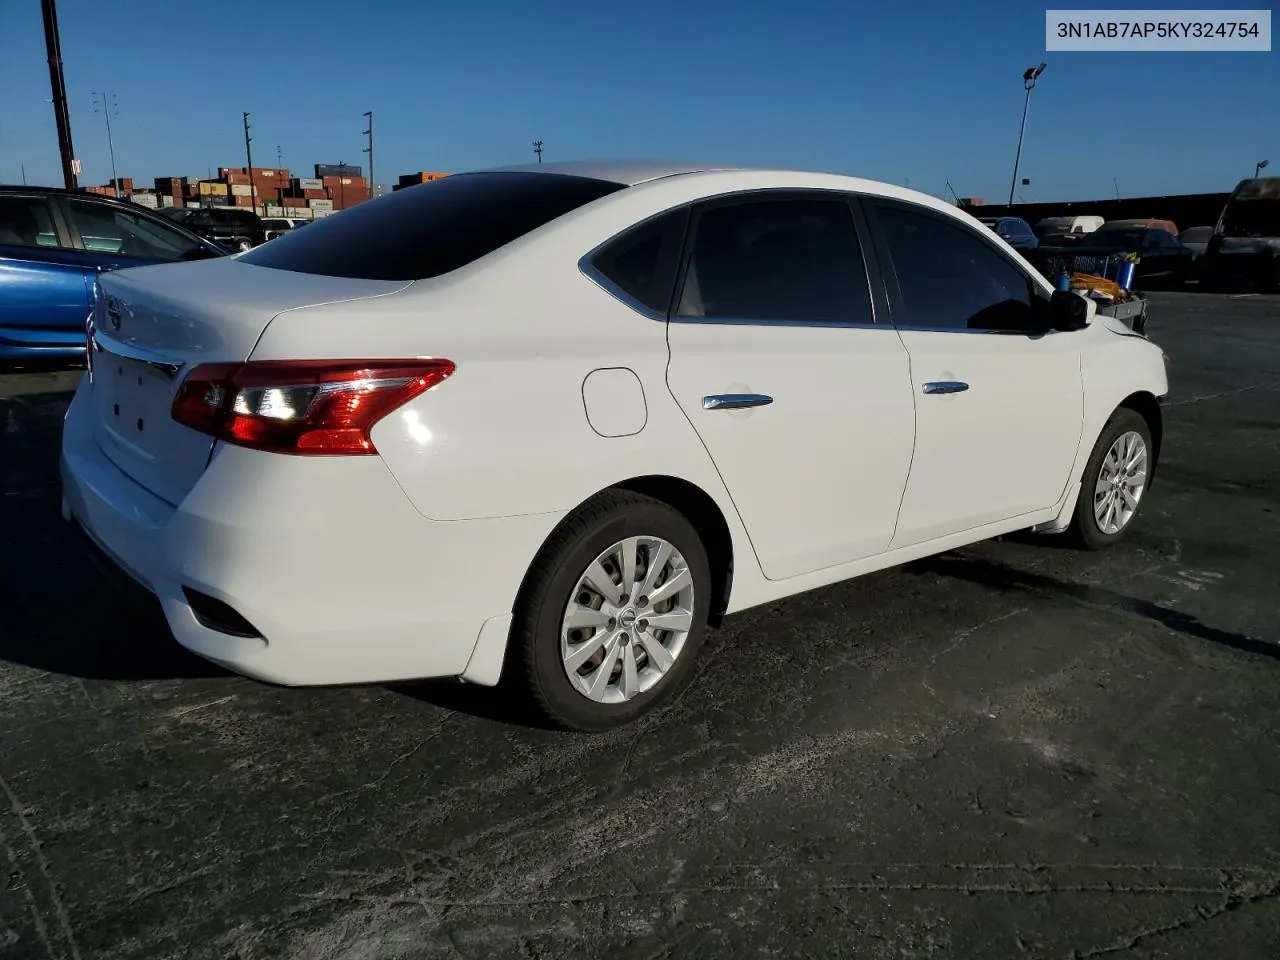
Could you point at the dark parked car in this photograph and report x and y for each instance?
(1245, 248)
(1162, 259)
(1013, 231)
(229, 226)
(53, 243)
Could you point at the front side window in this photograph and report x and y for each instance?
(780, 260)
(26, 222)
(430, 229)
(949, 278)
(104, 228)
(644, 261)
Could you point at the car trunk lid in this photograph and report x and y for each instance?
(151, 325)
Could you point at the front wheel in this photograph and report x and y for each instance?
(242, 245)
(613, 612)
(1114, 481)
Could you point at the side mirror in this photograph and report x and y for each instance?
(1068, 311)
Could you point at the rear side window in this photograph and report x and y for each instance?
(26, 222)
(643, 262)
(777, 260)
(431, 229)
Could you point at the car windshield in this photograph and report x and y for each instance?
(432, 229)
(1252, 218)
(1129, 239)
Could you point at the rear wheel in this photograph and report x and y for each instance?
(1114, 482)
(242, 244)
(613, 613)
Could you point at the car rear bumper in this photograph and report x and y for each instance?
(337, 575)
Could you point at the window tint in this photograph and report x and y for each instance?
(777, 260)
(430, 229)
(643, 262)
(1166, 241)
(104, 228)
(26, 222)
(951, 279)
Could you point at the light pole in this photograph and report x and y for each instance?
(1259, 167)
(537, 148)
(106, 112)
(369, 149)
(1028, 83)
(53, 47)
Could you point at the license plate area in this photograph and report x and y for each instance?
(132, 399)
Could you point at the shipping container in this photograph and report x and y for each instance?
(300, 213)
(168, 201)
(149, 200)
(320, 204)
(240, 189)
(338, 170)
(422, 176)
(212, 187)
(216, 200)
(308, 183)
(241, 201)
(317, 214)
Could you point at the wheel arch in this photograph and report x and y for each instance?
(1147, 406)
(701, 510)
(696, 506)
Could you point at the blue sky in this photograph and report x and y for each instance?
(924, 92)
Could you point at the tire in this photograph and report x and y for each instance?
(1087, 528)
(242, 244)
(541, 637)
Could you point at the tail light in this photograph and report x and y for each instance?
(311, 407)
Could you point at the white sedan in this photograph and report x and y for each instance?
(547, 423)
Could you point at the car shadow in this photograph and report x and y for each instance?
(62, 613)
(998, 576)
(501, 704)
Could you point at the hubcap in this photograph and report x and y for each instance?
(1121, 482)
(627, 619)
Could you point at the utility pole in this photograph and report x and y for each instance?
(537, 148)
(342, 187)
(1029, 79)
(248, 158)
(369, 149)
(24, 174)
(53, 45)
(106, 112)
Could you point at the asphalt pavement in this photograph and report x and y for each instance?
(1013, 750)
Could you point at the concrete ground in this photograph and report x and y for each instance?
(1014, 750)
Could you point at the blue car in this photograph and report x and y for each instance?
(53, 244)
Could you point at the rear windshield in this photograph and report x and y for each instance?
(428, 230)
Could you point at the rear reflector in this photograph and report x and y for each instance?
(308, 407)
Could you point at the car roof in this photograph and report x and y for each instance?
(83, 194)
(632, 173)
(628, 173)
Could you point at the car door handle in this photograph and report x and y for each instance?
(735, 401)
(945, 386)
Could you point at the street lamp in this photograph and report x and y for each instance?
(1258, 168)
(1028, 83)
